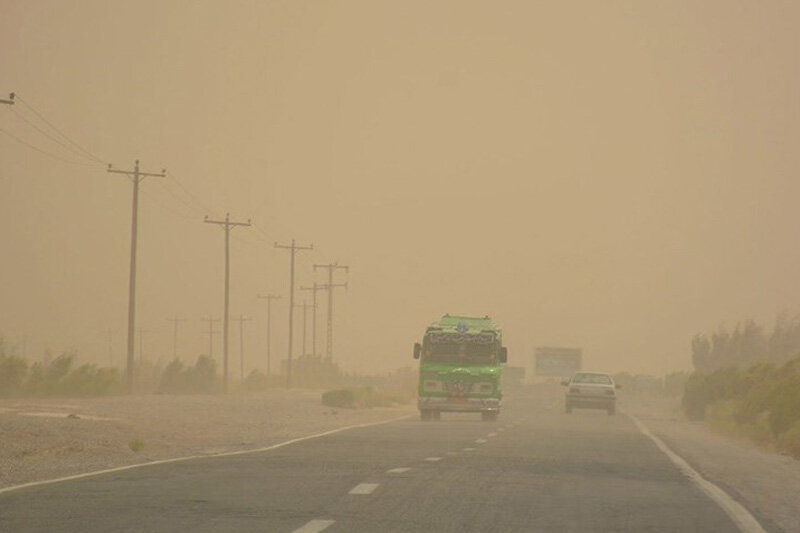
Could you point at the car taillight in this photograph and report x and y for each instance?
(575, 390)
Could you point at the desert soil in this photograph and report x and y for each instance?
(49, 438)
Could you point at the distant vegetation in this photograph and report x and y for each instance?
(58, 377)
(748, 383)
(761, 402)
(669, 385)
(361, 397)
(62, 376)
(746, 345)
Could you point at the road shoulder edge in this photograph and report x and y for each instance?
(743, 519)
(94, 473)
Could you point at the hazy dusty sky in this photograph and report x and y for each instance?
(611, 175)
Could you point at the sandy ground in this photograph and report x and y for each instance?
(49, 438)
(767, 483)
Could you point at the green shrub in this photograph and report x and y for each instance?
(198, 379)
(136, 445)
(789, 441)
(338, 398)
(13, 371)
(357, 397)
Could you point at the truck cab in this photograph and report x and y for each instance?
(460, 367)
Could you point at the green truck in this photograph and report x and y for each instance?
(459, 369)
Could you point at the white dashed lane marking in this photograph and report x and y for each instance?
(492, 434)
(314, 526)
(469, 449)
(481, 441)
(433, 458)
(364, 488)
(401, 470)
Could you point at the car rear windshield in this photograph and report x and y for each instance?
(596, 379)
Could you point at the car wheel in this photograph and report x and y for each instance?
(612, 411)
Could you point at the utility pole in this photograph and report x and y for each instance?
(242, 319)
(331, 268)
(228, 225)
(210, 334)
(293, 248)
(315, 288)
(175, 322)
(269, 298)
(136, 177)
(10, 100)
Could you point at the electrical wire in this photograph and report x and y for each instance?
(64, 135)
(54, 139)
(48, 154)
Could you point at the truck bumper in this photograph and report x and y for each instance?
(465, 405)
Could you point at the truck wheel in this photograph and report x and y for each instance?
(425, 415)
(569, 409)
(436, 415)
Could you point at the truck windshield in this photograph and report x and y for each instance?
(475, 353)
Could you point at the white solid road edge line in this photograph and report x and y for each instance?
(314, 526)
(736, 511)
(204, 456)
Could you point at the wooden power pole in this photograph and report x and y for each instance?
(136, 177)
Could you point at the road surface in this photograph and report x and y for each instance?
(536, 469)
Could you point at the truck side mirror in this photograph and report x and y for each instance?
(417, 350)
(503, 354)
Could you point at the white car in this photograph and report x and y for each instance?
(591, 390)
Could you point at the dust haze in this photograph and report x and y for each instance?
(616, 176)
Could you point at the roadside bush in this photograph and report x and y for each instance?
(357, 397)
(761, 403)
(89, 380)
(13, 371)
(181, 379)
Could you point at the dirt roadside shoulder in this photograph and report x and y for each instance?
(768, 484)
(50, 438)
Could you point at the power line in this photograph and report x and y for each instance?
(54, 139)
(64, 135)
(137, 176)
(48, 154)
(227, 224)
(199, 203)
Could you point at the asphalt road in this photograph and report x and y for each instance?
(536, 469)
